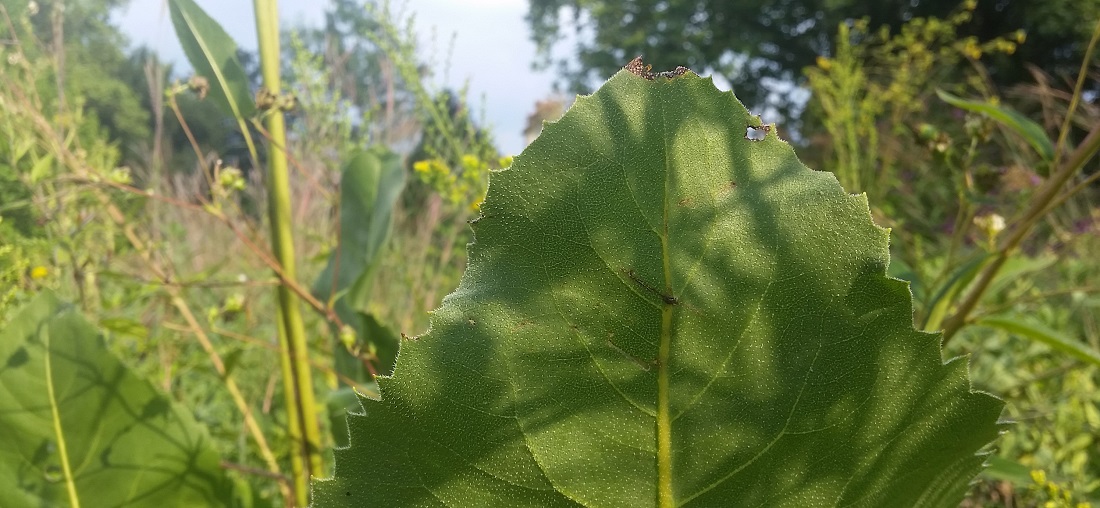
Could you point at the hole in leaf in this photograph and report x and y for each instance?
(753, 133)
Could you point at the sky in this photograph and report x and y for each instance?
(491, 48)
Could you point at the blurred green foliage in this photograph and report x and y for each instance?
(949, 181)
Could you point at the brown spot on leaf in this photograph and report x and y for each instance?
(641, 69)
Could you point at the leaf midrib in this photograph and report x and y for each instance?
(222, 80)
(665, 498)
(55, 413)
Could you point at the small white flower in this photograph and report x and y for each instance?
(32, 8)
(992, 224)
(996, 223)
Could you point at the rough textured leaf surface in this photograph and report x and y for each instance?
(78, 429)
(660, 312)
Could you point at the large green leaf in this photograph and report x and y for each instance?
(78, 429)
(213, 54)
(370, 184)
(660, 312)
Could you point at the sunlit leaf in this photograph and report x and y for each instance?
(125, 326)
(1009, 471)
(660, 312)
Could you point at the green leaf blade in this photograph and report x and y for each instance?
(1038, 332)
(1023, 126)
(81, 430)
(213, 54)
(370, 184)
(657, 312)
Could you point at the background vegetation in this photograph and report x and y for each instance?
(126, 189)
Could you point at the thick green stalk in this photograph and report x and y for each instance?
(297, 382)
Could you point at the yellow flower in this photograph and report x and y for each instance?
(824, 63)
(39, 272)
(1039, 477)
(971, 49)
(470, 162)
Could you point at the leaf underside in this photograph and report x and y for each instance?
(660, 312)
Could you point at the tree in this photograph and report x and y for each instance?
(757, 46)
(359, 70)
(92, 65)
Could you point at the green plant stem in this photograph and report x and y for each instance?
(298, 382)
(1048, 198)
(176, 296)
(1039, 206)
(48, 136)
(1075, 99)
(1082, 185)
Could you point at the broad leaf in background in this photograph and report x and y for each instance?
(1031, 329)
(79, 429)
(369, 186)
(660, 312)
(1023, 126)
(213, 54)
(945, 296)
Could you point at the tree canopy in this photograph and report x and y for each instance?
(752, 44)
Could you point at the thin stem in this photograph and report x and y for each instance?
(1039, 206)
(253, 471)
(1041, 297)
(1076, 98)
(62, 447)
(185, 311)
(66, 157)
(1080, 186)
(324, 310)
